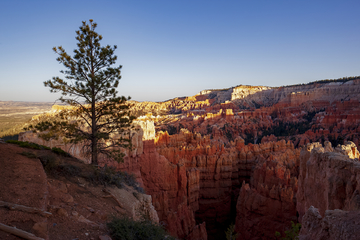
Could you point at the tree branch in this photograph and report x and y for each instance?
(18, 232)
(13, 206)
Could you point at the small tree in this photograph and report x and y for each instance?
(230, 233)
(99, 118)
(292, 234)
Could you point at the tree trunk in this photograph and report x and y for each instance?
(94, 157)
(94, 150)
(94, 139)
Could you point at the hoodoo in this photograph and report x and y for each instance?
(246, 156)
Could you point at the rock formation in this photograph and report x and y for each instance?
(328, 178)
(335, 225)
(329, 187)
(173, 188)
(267, 204)
(204, 156)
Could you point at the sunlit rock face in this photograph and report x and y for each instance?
(272, 168)
(142, 130)
(174, 190)
(174, 187)
(213, 165)
(75, 150)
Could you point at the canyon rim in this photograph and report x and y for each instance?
(252, 156)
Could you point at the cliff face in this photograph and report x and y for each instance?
(328, 182)
(267, 204)
(292, 95)
(335, 172)
(174, 188)
(272, 168)
(194, 179)
(253, 97)
(336, 224)
(213, 165)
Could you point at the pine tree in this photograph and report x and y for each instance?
(99, 118)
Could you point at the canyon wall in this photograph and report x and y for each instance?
(267, 204)
(335, 225)
(194, 179)
(292, 95)
(329, 187)
(199, 159)
(332, 171)
(173, 187)
(272, 168)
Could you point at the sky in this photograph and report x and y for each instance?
(173, 48)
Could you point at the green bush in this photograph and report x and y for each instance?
(69, 170)
(230, 233)
(49, 162)
(108, 176)
(53, 167)
(29, 154)
(60, 152)
(126, 228)
(10, 137)
(292, 234)
(28, 144)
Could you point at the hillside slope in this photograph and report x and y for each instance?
(77, 208)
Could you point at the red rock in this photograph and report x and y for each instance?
(267, 204)
(41, 229)
(336, 224)
(197, 172)
(332, 171)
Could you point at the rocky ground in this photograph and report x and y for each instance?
(78, 209)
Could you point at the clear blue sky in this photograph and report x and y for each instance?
(174, 48)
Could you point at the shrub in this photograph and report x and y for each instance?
(10, 137)
(126, 228)
(60, 152)
(69, 170)
(230, 233)
(108, 176)
(49, 162)
(28, 144)
(292, 234)
(53, 167)
(29, 154)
